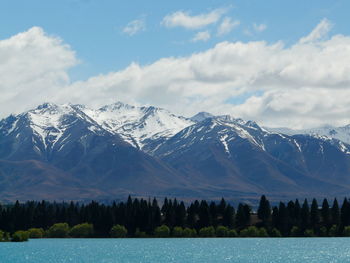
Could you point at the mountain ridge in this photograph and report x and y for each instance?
(120, 149)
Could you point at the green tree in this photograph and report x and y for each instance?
(232, 233)
(305, 215)
(204, 215)
(251, 231)
(323, 232)
(346, 231)
(139, 234)
(314, 214)
(188, 232)
(20, 236)
(118, 231)
(333, 231)
(335, 213)
(345, 213)
(295, 231)
(262, 232)
(283, 219)
(162, 231)
(207, 232)
(243, 215)
(59, 230)
(2, 235)
(275, 233)
(82, 230)
(325, 213)
(264, 210)
(228, 217)
(222, 231)
(178, 231)
(36, 233)
(309, 233)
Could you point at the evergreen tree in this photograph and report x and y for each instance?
(345, 213)
(283, 220)
(335, 213)
(204, 215)
(314, 214)
(264, 210)
(228, 218)
(305, 215)
(325, 213)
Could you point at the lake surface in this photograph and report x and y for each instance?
(257, 250)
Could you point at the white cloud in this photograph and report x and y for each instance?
(134, 27)
(184, 19)
(320, 31)
(305, 84)
(33, 64)
(201, 36)
(227, 25)
(259, 27)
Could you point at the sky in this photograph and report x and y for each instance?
(280, 63)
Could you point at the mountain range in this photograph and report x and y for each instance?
(73, 152)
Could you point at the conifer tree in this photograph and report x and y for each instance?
(305, 215)
(264, 210)
(345, 213)
(325, 213)
(335, 213)
(314, 214)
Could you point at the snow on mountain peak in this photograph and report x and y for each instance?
(340, 133)
(138, 124)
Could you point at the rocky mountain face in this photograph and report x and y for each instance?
(64, 152)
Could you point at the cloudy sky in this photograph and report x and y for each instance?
(280, 63)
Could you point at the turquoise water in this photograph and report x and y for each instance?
(255, 250)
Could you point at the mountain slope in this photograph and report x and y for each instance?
(74, 152)
(340, 133)
(65, 140)
(230, 154)
(142, 127)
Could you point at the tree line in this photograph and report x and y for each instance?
(146, 218)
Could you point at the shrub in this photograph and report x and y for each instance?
(295, 232)
(118, 231)
(346, 231)
(207, 232)
(177, 231)
(82, 230)
(323, 232)
(7, 237)
(188, 232)
(221, 231)
(309, 233)
(333, 231)
(2, 235)
(162, 231)
(20, 236)
(59, 230)
(275, 233)
(232, 233)
(251, 231)
(36, 232)
(139, 233)
(262, 232)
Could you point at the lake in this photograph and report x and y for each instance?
(257, 250)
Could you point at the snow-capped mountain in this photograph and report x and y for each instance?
(60, 143)
(140, 126)
(75, 152)
(234, 154)
(341, 133)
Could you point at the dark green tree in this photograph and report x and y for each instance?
(264, 210)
